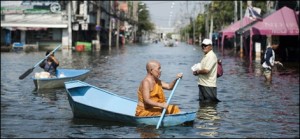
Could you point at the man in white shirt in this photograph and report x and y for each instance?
(207, 75)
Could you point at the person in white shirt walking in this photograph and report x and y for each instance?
(269, 61)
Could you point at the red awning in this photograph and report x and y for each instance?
(230, 30)
(281, 22)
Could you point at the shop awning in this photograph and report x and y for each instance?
(230, 30)
(33, 25)
(281, 22)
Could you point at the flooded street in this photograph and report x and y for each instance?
(249, 109)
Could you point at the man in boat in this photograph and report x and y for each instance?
(50, 64)
(151, 98)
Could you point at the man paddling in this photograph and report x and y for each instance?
(50, 64)
(151, 98)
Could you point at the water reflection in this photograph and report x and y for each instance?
(49, 94)
(147, 132)
(210, 119)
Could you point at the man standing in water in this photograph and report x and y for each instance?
(269, 61)
(151, 97)
(207, 75)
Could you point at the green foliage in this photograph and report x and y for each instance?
(169, 35)
(223, 15)
(144, 19)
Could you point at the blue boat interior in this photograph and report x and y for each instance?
(101, 99)
(71, 72)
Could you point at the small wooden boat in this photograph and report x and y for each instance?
(88, 101)
(62, 75)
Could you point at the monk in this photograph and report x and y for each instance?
(151, 97)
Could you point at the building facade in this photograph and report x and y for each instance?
(48, 23)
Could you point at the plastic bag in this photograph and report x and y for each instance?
(219, 68)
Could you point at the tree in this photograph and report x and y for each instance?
(169, 35)
(223, 15)
(144, 19)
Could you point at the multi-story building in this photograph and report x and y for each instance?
(48, 23)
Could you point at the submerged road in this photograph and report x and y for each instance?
(249, 108)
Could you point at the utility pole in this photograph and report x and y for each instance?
(98, 44)
(211, 23)
(118, 26)
(109, 32)
(202, 11)
(194, 32)
(193, 21)
(235, 20)
(70, 25)
(207, 15)
(187, 13)
(241, 36)
(211, 26)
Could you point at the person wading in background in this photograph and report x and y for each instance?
(269, 61)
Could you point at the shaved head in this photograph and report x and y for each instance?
(151, 64)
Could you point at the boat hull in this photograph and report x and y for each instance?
(87, 101)
(71, 74)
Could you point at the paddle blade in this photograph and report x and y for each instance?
(26, 73)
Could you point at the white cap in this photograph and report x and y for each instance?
(207, 42)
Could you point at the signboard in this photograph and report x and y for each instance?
(30, 6)
(257, 47)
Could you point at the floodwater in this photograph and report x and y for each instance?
(250, 108)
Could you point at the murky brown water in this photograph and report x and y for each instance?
(249, 108)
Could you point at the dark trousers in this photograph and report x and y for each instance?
(208, 94)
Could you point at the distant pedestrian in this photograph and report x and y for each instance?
(269, 61)
(50, 64)
(207, 74)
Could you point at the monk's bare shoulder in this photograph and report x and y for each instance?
(147, 83)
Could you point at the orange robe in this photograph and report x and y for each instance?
(157, 95)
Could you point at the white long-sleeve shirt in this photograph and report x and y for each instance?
(269, 58)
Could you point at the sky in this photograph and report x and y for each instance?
(167, 14)
(173, 14)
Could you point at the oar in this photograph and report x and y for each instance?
(31, 69)
(169, 99)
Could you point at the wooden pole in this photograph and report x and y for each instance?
(109, 34)
(235, 19)
(98, 44)
(241, 36)
(69, 26)
(118, 27)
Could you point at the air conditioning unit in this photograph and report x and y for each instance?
(84, 26)
(81, 9)
(76, 26)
